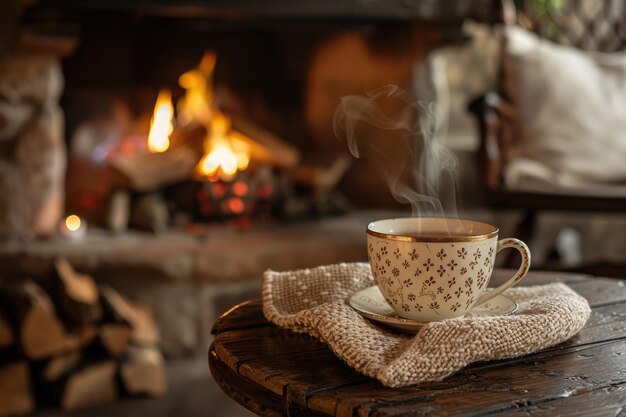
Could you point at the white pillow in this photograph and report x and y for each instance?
(572, 112)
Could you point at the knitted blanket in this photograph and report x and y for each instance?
(314, 301)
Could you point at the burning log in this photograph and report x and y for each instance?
(142, 372)
(265, 147)
(172, 158)
(192, 135)
(148, 172)
(15, 396)
(76, 295)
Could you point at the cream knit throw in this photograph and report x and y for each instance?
(313, 301)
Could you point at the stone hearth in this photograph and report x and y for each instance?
(188, 278)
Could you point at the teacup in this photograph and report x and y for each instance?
(432, 269)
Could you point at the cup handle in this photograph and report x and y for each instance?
(521, 272)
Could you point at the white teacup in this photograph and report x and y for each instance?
(437, 268)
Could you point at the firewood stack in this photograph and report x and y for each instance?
(66, 342)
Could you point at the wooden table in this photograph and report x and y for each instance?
(273, 371)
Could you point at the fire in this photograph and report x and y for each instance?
(161, 125)
(223, 156)
(225, 153)
(197, 103)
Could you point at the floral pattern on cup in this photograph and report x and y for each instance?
(434, 280)
(439, 283)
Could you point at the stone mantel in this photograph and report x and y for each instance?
(189, 279)
(211, 254)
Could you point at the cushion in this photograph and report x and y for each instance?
(572, 108)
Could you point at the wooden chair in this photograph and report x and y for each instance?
(601, 30)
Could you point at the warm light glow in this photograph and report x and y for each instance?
(223, 156)
(241, 149)
(224, 152)
(220, 125)
(242, 162)
(220, 158)
(161, 125)
(72, 222)
(236, 205)
(240, 188)
(197, 103)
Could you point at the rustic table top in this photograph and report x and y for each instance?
(273, 371)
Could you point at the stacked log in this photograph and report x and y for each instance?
(66, 342)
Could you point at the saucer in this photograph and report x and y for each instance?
(370, 303)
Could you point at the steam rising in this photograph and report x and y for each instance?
(402, 143)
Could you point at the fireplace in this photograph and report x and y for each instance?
(272, 74)
(237, 100)
(198, 141)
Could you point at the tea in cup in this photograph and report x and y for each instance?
(436, 268)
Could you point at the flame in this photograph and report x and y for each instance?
(242, 151)
(161, 124)
(197, 103)
(220, 125)
(223, 156)
(225, 152)
(72, 222)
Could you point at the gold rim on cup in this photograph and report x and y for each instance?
(405, 238)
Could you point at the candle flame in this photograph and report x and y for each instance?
(161, 125)
(72, 222)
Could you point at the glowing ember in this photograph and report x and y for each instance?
(240, 188)
(161, 125)
(236, 205)
(72, 222)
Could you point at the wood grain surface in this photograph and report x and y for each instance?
(273, 371)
